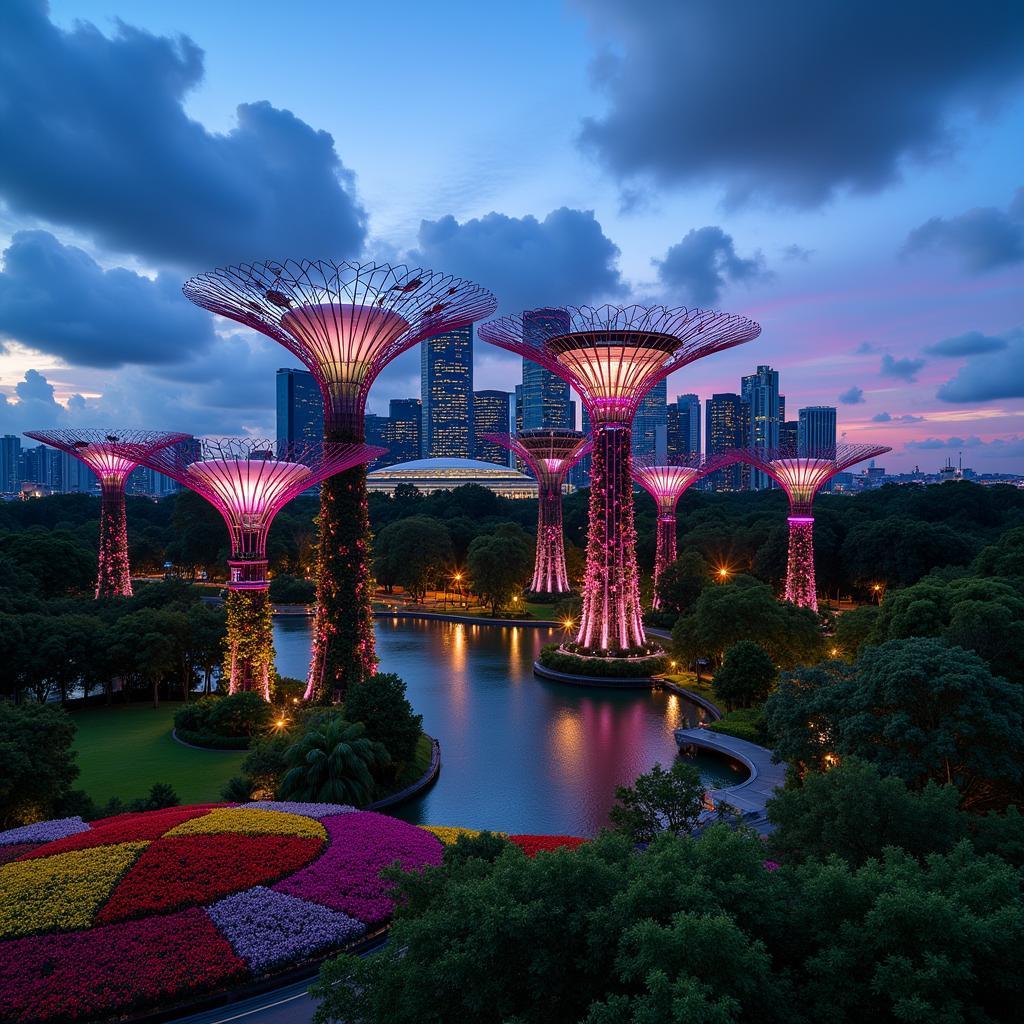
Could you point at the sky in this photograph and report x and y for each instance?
(848, 175)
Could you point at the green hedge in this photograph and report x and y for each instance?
(206, 739)
(743, 723)
(238, 715)
(614, 668)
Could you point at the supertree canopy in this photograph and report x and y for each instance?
(345, 322)
(666, 484)
(550, 454)
(111, 455)
(249, 481)
(613, 356)
(801, 477)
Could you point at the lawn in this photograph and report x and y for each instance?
(123, 750)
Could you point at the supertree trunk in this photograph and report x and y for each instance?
(249, 645)
(801, 587)
(343, 641)
(665, 550)
(113, 578)
(611, 620)
(549, 575)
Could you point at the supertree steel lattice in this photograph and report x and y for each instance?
(801, 477)
(345, 322)
(613, 356)
(666, 484)
(550, 454)
(111, 455)
(249, 481)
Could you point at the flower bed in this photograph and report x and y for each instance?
(140, 911)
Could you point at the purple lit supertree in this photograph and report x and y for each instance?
(345, 322)
(613, 356)
(249, 481)
(550, 454)
(666, 484)
(801, 477)
(111, 455)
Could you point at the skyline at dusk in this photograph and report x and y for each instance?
(873, 227)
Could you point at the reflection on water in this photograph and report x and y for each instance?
(518, 754)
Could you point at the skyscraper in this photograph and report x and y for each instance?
(788, 435)
(816, 430)
(728, 427)
(300, 409)
(491, 416)
(446, 391)
(579, 475)
(10, 459)
(650, 423)
(376, 432)
(689, 425)
(761, 392)
(403, 430)
(546, 401)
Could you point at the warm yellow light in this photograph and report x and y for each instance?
(877, 586)
(723, 572)
(457, 577)
(568, 623)
(280, 723)
(835, 651)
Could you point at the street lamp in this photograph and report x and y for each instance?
(723, 574)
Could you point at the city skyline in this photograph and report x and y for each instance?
(885, 267)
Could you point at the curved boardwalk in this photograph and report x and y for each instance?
(751, 796)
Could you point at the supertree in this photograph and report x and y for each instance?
(111, 455)
(345, 322)
(613, 356)
(666, 484)
(550, 454)
(249, 481)
(801, 477)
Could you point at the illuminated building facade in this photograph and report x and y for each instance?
(300, 408)
(650, 425)
(612, 357)
(430, 475)
(403, 435)
(446, 393)
(491, 411)
(727, 429)
(546, 403)
(760, 391)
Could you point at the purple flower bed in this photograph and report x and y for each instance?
(268, 929)
(44, 831)
(318, 811)
(346, 876)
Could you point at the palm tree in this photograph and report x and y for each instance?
(332, 762)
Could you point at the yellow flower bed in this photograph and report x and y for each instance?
(251, 821)
(63, 891)
(449, 834)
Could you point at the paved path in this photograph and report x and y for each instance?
(289, 1005)
(751, 796)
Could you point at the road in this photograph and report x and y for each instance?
(289, 1005)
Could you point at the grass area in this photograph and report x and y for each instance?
(689, 681)
(124, 750)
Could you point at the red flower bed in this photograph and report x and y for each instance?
(182, 870)
(532, 845)
(124, 828)
(120, 966)
(15, 850)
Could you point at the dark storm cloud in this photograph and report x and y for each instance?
(563, 259)
(852, 396)
(904, 369)
(990, 375)
(703, 263)
(96, 138)
(793, 100)
(984, 238)
(973, 343)
(57, 299)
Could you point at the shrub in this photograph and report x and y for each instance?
(211, 720)
(291, 590)
(746, 675)
(559, 660)
(382, 706)
(743, 723)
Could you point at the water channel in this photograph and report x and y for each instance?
(518, 754)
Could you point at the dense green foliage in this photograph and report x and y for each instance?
(746, 676)
(38, 762)
(918, 709)
(553, 657)
(415, 554)
(383, 708)
(659, 801)
(285, 589)
(235, 716)
(681, 582)
(500, 566)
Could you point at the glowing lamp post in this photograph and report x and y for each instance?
(801, 477)
(550, 454)
(666, 485)
(112, 457)
(613, 356)
(345, 322)
(248, 484)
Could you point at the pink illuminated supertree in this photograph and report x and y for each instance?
(111, 455)
(345, 322)
(666, 484)
(801, 477)
(613, 356)
(549, 454)
(249, 481)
